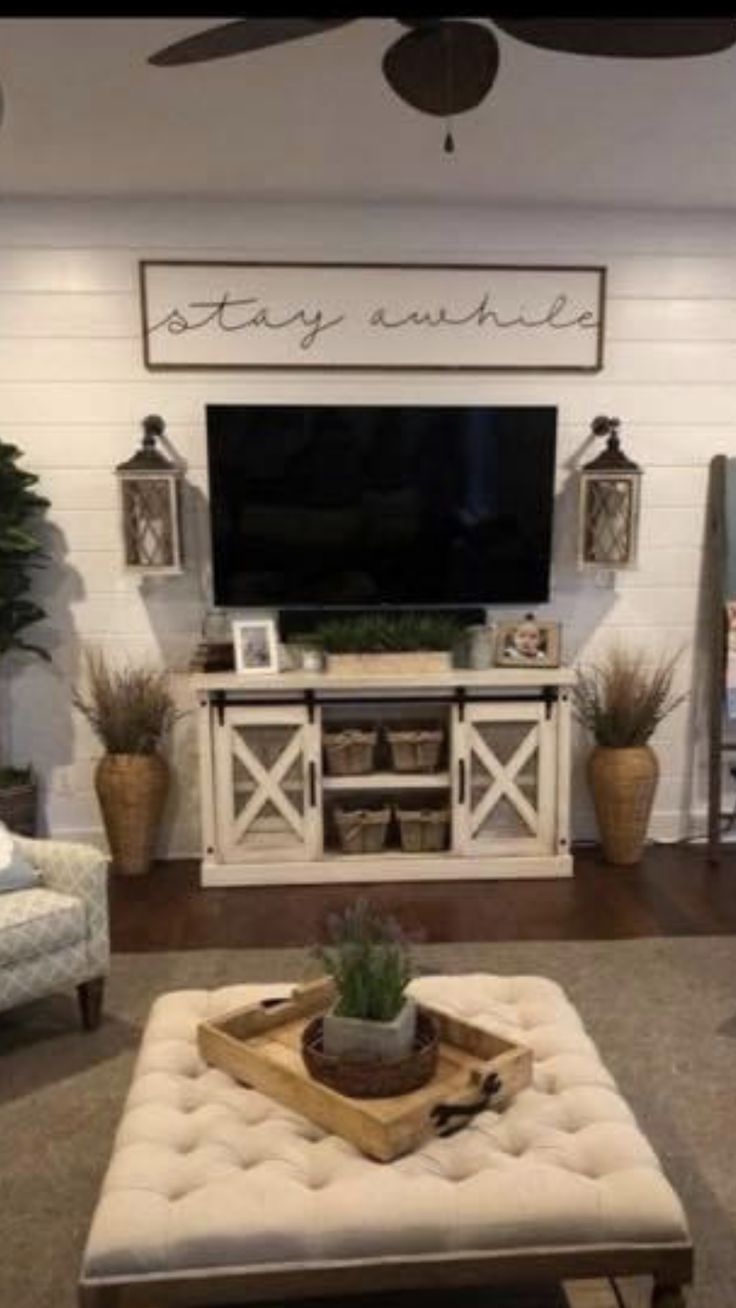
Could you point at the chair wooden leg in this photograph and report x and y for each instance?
(668, 1296)
(90, 1002)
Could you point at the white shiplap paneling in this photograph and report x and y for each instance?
(73, 391)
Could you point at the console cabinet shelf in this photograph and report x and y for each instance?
(269, 805)
(389, 781)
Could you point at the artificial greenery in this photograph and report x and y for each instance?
(622, 699)
(130, 709)
(20, 552)
(376, 633)
(369, 960)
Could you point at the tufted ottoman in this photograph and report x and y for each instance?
(216, 1194)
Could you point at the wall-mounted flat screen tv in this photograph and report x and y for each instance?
(356, 506)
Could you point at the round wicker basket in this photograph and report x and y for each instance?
(360, 1079)
(18, 807)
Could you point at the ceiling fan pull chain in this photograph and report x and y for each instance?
(449, 145)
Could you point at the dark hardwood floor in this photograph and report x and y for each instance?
(673, 892)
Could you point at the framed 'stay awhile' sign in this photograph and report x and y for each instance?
(415, 317)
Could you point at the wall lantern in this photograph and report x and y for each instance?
(608, 513)
(150, 506)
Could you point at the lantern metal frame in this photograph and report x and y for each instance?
(609, 503)
(149, 488)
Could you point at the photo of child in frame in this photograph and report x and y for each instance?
(255, 649)
(528, 643)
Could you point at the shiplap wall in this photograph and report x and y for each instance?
(73, 391)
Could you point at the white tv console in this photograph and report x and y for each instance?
(267, 800)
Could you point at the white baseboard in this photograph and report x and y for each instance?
(80, 835)
(667, 827)
(95, 836)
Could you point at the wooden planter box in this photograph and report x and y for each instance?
(366, 665)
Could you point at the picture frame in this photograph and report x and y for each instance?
(255, 646)
(527, 642)
(371, 317)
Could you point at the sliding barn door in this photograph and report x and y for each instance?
(505, 779)
(267, 766)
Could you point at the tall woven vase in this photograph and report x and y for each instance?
(623, 783)
(132, 791)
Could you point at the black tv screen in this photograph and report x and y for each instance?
(351, 506)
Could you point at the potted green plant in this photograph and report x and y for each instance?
(368, 958)
(20, 552)
(621, 702)
(131, 710)
(388, 642)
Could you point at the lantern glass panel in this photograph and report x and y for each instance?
(148, 526)
(609, 521)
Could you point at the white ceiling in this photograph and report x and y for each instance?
(314, 119)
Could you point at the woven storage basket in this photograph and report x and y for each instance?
(424, 829)
(361, 830)
(18, 808)
(350, 752)
(368, 1079)
(415, 749)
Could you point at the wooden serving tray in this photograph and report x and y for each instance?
(261, 1046)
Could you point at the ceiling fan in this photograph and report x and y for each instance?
(446, 66)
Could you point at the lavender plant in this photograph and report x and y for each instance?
(368, 957)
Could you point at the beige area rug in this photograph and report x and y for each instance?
(662, 1011)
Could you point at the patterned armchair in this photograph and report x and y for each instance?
(56, 934)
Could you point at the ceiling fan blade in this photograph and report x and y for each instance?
(625, 38)
(240, 36)
(443, 67)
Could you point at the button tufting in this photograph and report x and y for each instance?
(448, 1189)
(515, 1150)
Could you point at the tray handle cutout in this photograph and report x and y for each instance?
(463, 1111)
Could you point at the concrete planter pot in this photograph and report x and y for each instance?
(360, 1039)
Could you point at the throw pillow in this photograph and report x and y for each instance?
(16, 873)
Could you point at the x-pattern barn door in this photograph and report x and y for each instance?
(506, 787)
(267, 761)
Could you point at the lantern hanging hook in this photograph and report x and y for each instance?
(153, 428)
(602, 426)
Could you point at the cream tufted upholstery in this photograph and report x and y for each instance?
(207, 1174)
